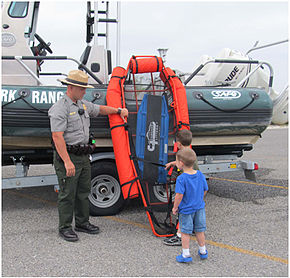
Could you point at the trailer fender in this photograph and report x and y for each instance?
(102, 156)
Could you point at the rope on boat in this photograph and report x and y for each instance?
(29, 104)
(199, 96)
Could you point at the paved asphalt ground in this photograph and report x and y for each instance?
(247, 231)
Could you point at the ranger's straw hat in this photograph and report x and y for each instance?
(76, 78)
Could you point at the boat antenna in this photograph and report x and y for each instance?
(264, 46)
(162, 53)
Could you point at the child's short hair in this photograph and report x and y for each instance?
(187, 156)
(184, 136)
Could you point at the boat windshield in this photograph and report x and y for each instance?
(18, 9)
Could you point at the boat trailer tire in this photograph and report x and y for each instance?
(160, 195)
(106, 196)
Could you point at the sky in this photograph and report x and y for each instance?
(189, 29)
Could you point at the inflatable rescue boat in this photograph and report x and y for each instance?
(222, 120)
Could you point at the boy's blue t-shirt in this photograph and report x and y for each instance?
(192, 187)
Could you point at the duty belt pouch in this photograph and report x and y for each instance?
(74, 149)
(80, 149)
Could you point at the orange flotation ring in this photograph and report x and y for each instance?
(179, 95)
(115, 95)
(119, 135)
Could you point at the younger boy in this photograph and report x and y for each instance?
(183, 140)
(191, 187)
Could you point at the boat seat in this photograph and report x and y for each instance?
(85, 56)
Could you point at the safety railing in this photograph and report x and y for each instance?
(234, 61)
(20, 60)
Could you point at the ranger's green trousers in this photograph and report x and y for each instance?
(73, 191)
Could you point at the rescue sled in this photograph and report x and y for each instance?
(140, 160)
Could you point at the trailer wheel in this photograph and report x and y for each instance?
(160, 195)
(106, 196)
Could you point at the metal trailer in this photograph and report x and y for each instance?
(106, 194)
(208, 164)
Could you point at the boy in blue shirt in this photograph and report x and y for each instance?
(190, 189)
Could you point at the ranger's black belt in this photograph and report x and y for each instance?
(80, 149)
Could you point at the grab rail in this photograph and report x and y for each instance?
(21, 58)
(233, 61)
(264, 46)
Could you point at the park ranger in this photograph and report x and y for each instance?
(70, 122)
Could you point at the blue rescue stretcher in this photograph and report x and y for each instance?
(152, 138)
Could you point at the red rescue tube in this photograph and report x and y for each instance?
(120, 137)
(179, 95)
(143, 64)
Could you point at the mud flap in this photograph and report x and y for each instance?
(250, 175)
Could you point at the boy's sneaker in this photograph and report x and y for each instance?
(203, 256)
(173, 241)
(181, 259)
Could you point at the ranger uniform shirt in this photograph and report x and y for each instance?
(64, 116)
